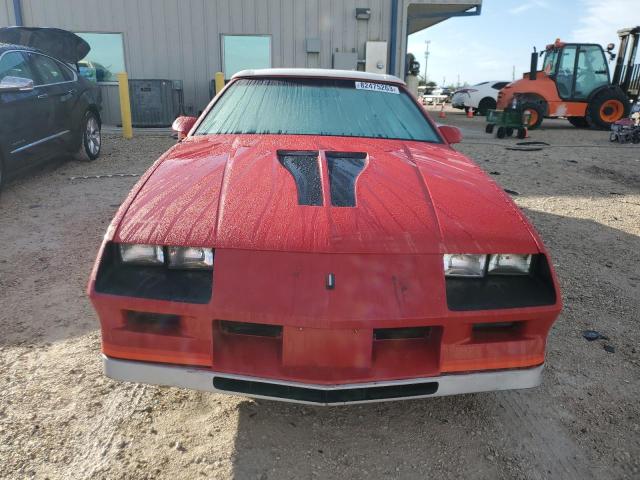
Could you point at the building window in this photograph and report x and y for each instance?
(106, 58)
(241, 52)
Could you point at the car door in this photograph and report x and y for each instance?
(592, 71)
(55, 91)
(22, 124)
(566, 72)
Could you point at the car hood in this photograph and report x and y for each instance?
(61, 44)
(232, 191)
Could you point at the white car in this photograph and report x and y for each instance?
(481, 97)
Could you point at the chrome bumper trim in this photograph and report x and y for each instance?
(201, 379)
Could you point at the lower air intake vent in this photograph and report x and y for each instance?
(158, 323)
(303, 167)
(255, 329)
(401, 333)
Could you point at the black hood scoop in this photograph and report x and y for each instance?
(343, 169)
(304, 168)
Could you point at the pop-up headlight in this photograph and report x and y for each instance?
(509, 264)
(464, 265)
(136, 254)
(190, 258)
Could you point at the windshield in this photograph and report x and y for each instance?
(302, 106)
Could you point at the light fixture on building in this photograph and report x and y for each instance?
(363, 13)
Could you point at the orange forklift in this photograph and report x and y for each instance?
(574, 83)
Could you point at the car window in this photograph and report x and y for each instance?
(592, 71)
(14, 64)
(500, 85)
(304, 106)
(47, 70)
(566, 69)
(67, 74)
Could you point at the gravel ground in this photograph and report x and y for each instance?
(61, 418)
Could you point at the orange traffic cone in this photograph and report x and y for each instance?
(470, 112)
(442, 114)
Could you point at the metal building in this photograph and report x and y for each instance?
(187, 41)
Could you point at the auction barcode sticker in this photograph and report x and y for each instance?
(377, 87)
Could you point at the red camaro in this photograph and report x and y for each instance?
(314, 238)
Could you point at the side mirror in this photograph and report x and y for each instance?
(450, 134)
(16, 84)
(182, 126)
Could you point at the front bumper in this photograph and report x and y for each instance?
(459, 101)
(315, 394)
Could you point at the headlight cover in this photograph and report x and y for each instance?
(464, 265)
(509, 264)
(190, 258)
(137, 254)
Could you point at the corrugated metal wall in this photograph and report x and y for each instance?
(180, 39)
(6, 13)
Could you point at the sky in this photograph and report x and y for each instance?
(487, 47)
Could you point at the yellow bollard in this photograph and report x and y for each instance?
(219, 81)
(125, 105)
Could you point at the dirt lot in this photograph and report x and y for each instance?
(61, 418)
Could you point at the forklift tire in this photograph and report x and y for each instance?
(605, 108)
(522, 133)
(536, 114)
(509, 131)
(578, 122)
(489, 128)
(501, 132)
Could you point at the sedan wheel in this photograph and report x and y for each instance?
(91, 138)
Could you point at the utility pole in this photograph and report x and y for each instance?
(458, 84)
(426, 60)
(513, 73)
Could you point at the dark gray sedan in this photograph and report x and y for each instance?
(46, 108)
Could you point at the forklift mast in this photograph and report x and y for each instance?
(627, 72)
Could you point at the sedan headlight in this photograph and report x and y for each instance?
(509, 264)
(136, 254)
(464, 265)
(190, 257)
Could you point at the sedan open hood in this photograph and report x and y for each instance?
(61, 44)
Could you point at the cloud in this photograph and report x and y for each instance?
(528, 6)
(601, 20)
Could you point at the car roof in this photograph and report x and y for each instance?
(318, 73)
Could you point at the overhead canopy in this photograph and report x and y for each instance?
(424, 15)
(61, 44)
